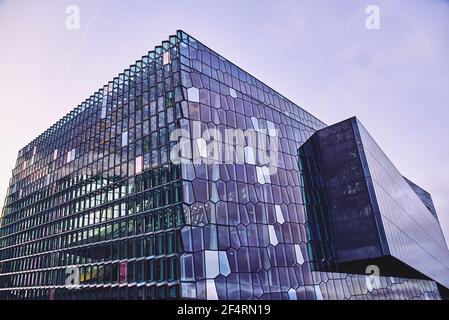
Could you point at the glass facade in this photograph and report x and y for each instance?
(412, 232)
(424, 196)
(94, 207)
(362, 211)
(98, 209)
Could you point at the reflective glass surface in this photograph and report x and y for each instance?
(413, 232)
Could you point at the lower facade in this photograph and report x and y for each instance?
(324, 286)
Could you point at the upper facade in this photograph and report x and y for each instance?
(129, 197)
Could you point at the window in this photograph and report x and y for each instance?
(71, 155)
(193, 94)
(124, 139)
(166, 58)
(139, 165)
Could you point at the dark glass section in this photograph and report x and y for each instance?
(339, 204)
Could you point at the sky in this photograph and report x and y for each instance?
(319, 54)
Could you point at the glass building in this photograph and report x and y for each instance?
(128, 197)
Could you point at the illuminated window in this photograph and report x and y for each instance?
(71, 155)
(193, 94)
(138, 165)
(166, 58)
(124, 138)
(279, 215)
(272, 235)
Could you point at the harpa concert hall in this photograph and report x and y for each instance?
(129, 197)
